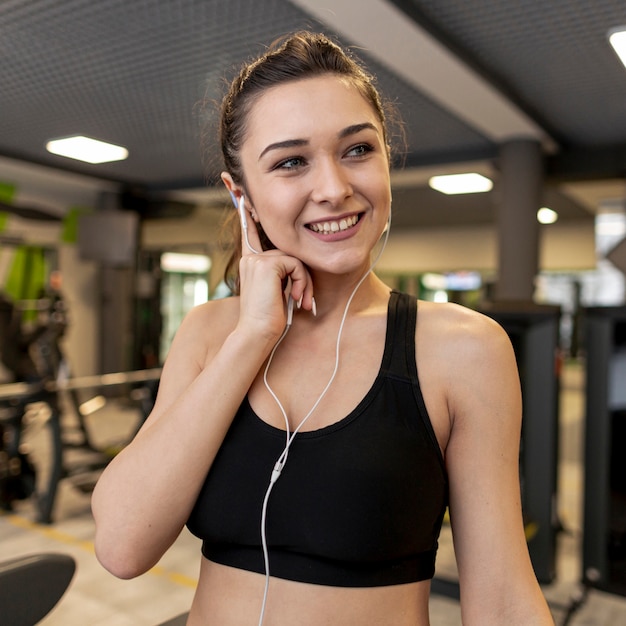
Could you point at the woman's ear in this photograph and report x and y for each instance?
(236, 192)
(233, 189)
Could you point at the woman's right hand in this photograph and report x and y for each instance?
(263, 295)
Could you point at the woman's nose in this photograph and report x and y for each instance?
(331, 182)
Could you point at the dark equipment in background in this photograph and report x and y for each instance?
(32, 585)
(39, 371)
(604, 527)
(534, 333)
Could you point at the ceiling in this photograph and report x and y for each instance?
(466, 77)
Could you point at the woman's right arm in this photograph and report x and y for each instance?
(145, 495)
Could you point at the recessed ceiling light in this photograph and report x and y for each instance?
(547, 216)
(87, 149)
(461, 183)
(617, 38)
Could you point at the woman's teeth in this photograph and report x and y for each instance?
(334, 227)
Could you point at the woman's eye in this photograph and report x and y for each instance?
(290, 164)
(361, 150)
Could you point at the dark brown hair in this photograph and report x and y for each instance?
(294, 57)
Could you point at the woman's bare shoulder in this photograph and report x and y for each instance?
(455, 320)
(461, 337)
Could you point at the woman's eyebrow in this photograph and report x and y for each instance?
(288, 143)
(357, 128)
(292, 143)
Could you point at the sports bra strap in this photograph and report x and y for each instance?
(400, 359)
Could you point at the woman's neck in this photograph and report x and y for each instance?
(332, 293)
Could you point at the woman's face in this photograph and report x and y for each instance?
(317, 172)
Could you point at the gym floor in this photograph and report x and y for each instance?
(98, 599)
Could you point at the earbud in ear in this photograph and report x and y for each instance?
(244, 223)
(242, 213)
(233, 198)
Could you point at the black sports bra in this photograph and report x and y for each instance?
(359, 503)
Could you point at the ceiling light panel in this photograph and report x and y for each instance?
(87, 149)
(451, 184)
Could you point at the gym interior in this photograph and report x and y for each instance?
(100, 261)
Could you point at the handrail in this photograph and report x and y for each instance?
(15, 391)
(105, 380)
(10, 391)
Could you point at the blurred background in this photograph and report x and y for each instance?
(100, 259)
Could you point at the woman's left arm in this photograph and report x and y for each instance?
(497, 581)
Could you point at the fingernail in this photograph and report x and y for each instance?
(300, 301)
(313, 307)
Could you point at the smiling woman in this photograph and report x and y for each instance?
(323, 170)
(283, 154)
(314, 451)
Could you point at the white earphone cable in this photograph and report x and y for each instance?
(282, 459)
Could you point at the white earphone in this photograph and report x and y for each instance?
(240, 205)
